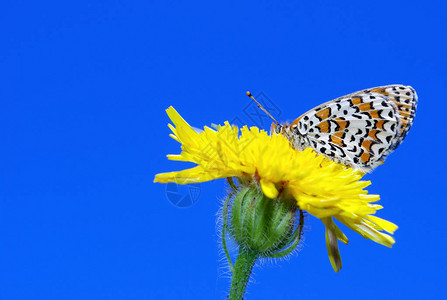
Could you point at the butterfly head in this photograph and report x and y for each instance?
(297, 140)
(276, 128)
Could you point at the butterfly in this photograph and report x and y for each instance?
(358, 130)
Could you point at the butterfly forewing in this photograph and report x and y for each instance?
(359, 129)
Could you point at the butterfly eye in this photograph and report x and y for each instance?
(278, 128)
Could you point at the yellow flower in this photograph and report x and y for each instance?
(320, 186)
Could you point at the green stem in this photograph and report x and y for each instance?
(224, 229)
(241, 273)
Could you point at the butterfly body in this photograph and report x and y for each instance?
(359, 130)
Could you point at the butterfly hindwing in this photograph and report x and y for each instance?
(405, 99)
(362, 128)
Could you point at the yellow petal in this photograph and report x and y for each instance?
(332, 244)
(386, 225)
(269, 189)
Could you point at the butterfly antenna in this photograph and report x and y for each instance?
(260, 106)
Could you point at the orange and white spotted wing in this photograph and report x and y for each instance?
(359, 130)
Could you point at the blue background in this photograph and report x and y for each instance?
(83, 89)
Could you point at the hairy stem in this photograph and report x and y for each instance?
(241, 273)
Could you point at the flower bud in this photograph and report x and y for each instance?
(260, 224)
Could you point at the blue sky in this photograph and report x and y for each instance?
(83, 92)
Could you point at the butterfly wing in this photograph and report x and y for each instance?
(362, 128)
(405, 99)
